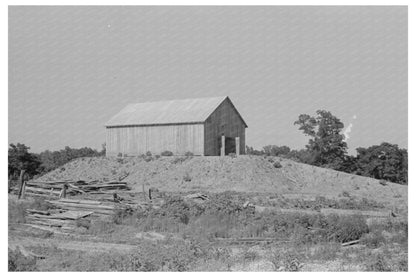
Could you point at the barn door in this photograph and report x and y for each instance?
(229, 145)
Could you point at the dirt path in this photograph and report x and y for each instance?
(86, 246)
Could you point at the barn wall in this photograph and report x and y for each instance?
(136, 140)
(223, 120)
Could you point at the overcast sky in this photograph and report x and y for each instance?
(72, 68)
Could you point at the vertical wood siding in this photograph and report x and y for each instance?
(223, 120)
(136, 140)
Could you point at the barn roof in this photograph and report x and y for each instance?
(168, 112)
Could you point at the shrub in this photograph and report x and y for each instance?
(148, 153)
(189, 154)
(276, 164)
(19, 262)
(120, 214)
(378, 263)
(167, 153)
(148, 159)
(286, 259)
(346, 228)
(232, 155)
(373, 239)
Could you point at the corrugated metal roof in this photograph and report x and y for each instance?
(166, 112)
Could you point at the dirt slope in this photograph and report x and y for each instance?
(244, 173)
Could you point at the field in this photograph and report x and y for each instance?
(245, 213)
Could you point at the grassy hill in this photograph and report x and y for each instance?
(250, 174)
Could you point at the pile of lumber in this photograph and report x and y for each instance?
(91, 206)
(60, 189)
(66, 220)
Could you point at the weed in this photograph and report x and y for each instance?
(167, 153)
(179, 160)
(19, 262)
(276, 164)
(378, 263)
(286, 259)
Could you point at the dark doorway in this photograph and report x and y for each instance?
(229, 145)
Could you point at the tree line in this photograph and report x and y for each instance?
(327, 148)
(36, 164)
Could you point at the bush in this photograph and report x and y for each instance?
(189, 154)
(276, 164)
(148, 153)
(346, 228)
(19, 262)
(373, 239)
(167, 153)
(378, 263)
(148, 159)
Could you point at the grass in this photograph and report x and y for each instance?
(191, 230)
(18, 262)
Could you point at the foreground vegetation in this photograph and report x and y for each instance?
(200, 236)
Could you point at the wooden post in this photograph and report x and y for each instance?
(63, 192)
(144, 193)
(222, 146)
(24, 189)
(237, 146)
(22, 173)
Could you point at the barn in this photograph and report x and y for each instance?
(203, 126)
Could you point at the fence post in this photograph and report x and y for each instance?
(63, 192)
(21, 183)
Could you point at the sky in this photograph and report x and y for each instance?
(72, 68)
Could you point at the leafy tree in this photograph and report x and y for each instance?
(301, 156)
(385, 161)
(251, 151)
(326, 146)
(54, 159)
(21, 159)
(274, 150)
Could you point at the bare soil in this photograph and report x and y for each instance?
(242, 174)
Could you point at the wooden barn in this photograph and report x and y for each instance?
(203, 126)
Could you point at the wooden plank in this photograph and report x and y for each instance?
(37, 212)
(80, 201)
(350, 242)
(68, 204)
(41, 191)
(74, 215)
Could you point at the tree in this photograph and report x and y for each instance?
(274, 150)
(385, 161)
(20, 158)
(251, 151)
(52, 160)
(326, 146)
